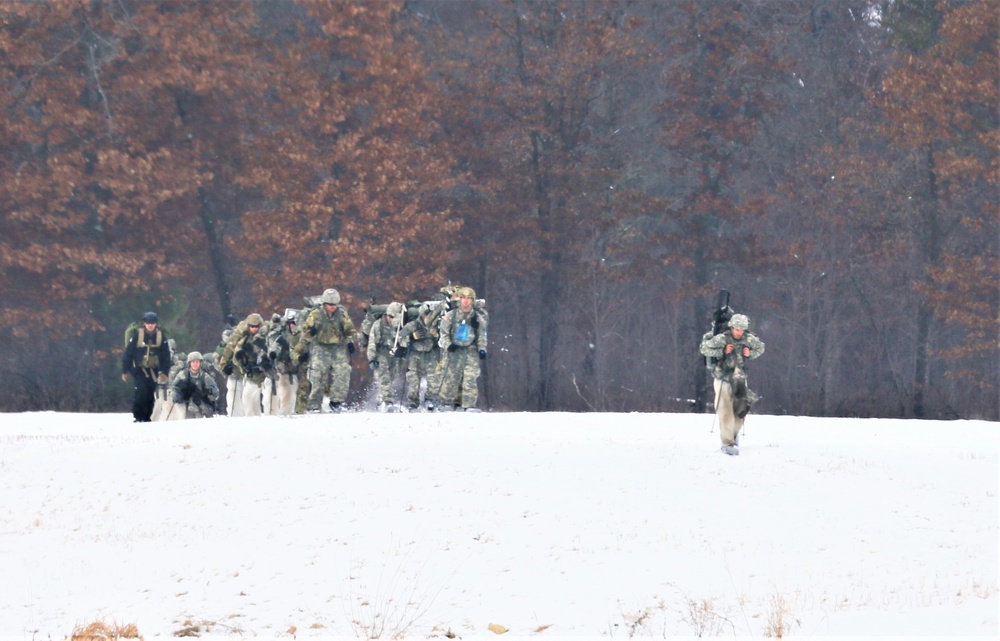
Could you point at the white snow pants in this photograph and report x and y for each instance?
(251, 398)
(729, 424)
(234, 396)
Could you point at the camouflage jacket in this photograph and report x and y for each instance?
(248, 350)
(383, 335)
(280, 343)
(417, 336)
(715, 347)
(325, 330)
(200, 388)
(464, 329)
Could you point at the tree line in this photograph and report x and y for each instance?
(596, 170)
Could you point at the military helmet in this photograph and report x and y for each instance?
(466, 292)
(739, 321)
(150, 317)
(255, 319)
(195, 356)
(396, 310)
(330, 297)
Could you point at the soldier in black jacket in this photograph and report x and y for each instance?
(147, 359)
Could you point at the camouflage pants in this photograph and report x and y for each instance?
(422, 365)
(330, 367)
(389, 369)
(197, 410)
(460, 377)
(302, 396)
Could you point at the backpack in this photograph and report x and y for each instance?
(720, 322)
(131, 331)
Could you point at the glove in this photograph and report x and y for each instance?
(400, 352)
(303, 357)
(452, 347)
(482, 354)
(177, 399)
(161, 379)
(241, 357)
(373, 364)
(125, 377)
(228, 369)
(350, 347)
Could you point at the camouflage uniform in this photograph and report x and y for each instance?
(732, 396)
(234, 378)
(420, 337)
(164, 396)
(282, 338)
(463, 334)
(197, 393)
(328, 338)
(385, 351)
(249, 348)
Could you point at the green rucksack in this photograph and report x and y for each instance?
(131, 331)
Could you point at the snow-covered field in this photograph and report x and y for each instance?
(549, 525)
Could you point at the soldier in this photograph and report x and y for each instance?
(386, 353)
(193, 391)
(164, 398)
(248, 347)
(732, 349)
(463, 336)
(420, 337)
(326, 343)
(234, 377)
(146, 359)
(282, 338)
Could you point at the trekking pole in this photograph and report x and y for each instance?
(715, 406)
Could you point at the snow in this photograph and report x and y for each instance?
(550, 525)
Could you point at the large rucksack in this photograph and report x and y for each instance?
(720, 323)
(131, 331)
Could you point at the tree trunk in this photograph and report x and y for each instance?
(215, 254)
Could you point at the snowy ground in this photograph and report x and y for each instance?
(549, 525)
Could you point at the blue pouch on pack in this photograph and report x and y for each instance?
(462, 332)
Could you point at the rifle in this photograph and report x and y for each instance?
(720, 322)
(722, 313)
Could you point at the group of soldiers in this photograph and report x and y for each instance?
(425, 356)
